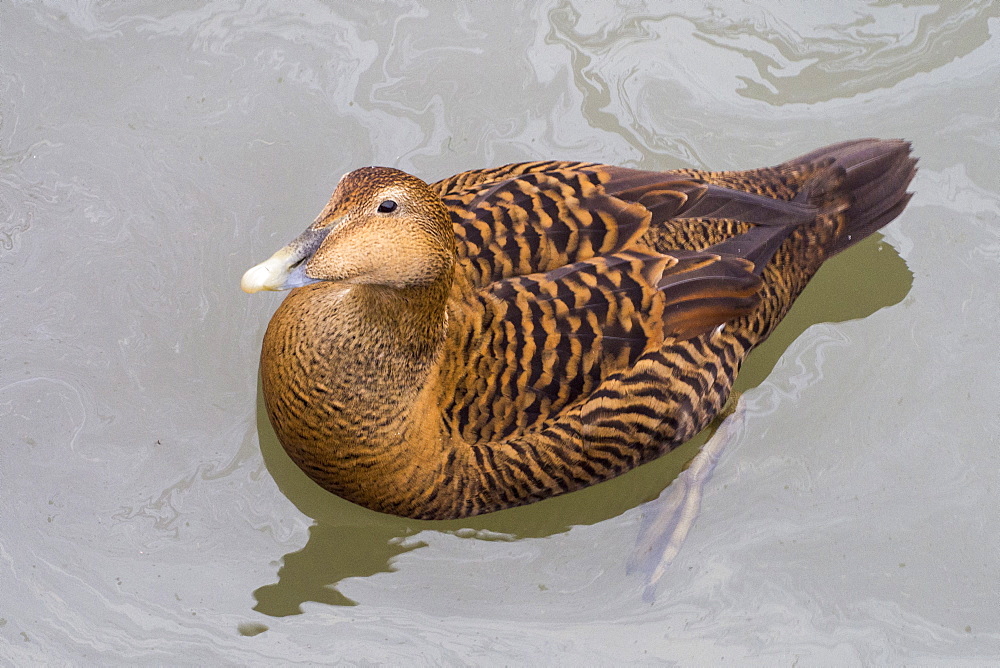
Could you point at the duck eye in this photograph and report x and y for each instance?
(388, 206)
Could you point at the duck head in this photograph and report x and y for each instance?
(382, 226)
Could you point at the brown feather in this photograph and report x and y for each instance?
(510, 334)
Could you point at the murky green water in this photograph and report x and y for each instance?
(151, 152)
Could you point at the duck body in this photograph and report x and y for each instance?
(507, 335)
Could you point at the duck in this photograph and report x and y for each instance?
(510, 334)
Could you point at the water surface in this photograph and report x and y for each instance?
(150, 153)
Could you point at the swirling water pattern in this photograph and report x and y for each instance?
(150, 152)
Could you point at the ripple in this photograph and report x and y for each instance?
(148, 152)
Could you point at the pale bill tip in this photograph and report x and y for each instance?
(268, 275)
(255, 279)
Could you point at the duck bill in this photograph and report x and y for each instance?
(286, 269)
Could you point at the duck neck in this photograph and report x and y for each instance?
(408, 320)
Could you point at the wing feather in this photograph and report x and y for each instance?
(555, 336)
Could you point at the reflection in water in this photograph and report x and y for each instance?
(349, 541)
(346, 540)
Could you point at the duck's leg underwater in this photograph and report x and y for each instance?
(667, 520)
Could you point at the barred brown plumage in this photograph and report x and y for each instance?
(510, 334)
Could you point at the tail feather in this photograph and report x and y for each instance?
(866, 180)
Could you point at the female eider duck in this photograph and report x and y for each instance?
(510, 334)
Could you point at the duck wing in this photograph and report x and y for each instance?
(548, 340)
(528, 218)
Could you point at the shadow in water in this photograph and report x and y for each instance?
(349, 541)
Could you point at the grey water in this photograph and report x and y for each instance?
(151, 152)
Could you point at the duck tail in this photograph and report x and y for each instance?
(864, 179)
